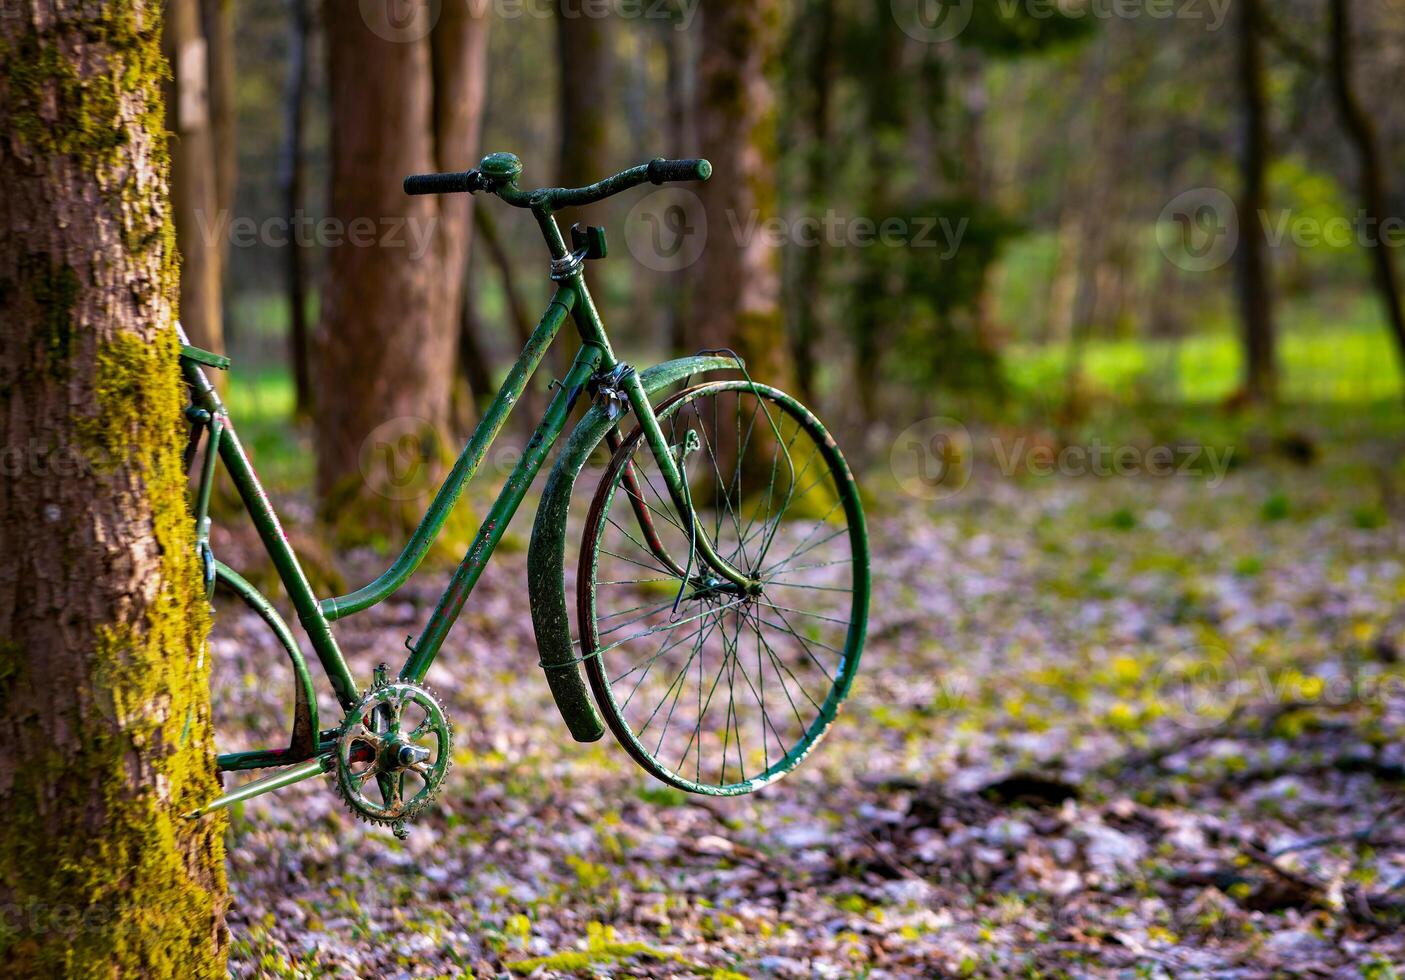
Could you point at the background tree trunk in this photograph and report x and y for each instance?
(739, 289)
(217, 24)
(291, 178)
(1359, 128)
(460, 89)
(386, 344)
(201, 226)
(680, 98)
(217, 20)
(586, 65)
(809, 278)
(104, 678)
(1254, 292)
(883, 106)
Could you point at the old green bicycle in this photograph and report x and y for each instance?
(723, 579)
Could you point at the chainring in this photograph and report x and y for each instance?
(377, 755)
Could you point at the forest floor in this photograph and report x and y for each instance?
(1130, 726)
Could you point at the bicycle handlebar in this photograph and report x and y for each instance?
(468, 181)
(504, 185)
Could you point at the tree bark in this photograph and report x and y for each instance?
(1362, 133)
(200, 222)
(104, 676)
(1252, 271)
(217, 24)
(291, 179)
(217, 20)
(584, 59)
(386, 344)
(739, 288)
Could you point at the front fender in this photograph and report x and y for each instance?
(546, 570)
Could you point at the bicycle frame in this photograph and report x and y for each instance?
(310, 745)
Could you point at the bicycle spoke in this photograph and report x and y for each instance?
(761, 641)
(791, 630)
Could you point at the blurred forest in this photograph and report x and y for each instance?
(1061, 180)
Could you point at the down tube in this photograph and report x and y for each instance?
(466, 576)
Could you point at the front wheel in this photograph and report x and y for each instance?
(713, 688)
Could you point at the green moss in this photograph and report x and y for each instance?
(56, 110)
(54, 289)
(9, 667)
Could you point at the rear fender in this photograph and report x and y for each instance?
(546, 571)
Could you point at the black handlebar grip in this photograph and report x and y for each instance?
(466, 182)
(661, 170)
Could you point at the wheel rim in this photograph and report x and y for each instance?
(726, 692)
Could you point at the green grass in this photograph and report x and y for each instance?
(1352, 364)
(260, 401)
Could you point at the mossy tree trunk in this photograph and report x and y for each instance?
(739, 290)
(104, 678)
(385, 350)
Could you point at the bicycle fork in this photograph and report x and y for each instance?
(671, 470)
